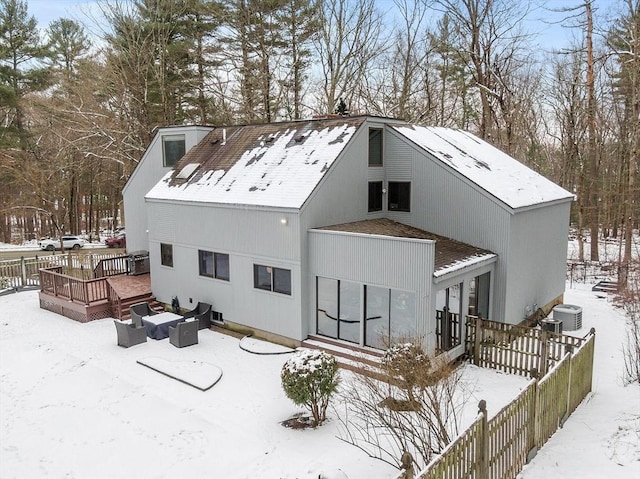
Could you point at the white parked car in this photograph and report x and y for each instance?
(69, 242)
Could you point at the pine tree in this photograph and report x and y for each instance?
(20, 73)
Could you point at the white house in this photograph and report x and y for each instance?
(362, 229)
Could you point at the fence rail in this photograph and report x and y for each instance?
(499, 448)
(516, 349)
(23, 272)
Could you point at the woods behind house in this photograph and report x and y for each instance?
(79, 100)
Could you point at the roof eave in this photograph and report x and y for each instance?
(452, 271)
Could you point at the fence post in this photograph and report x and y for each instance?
(544, 353)
(478, 341)
(23, 271)
(483, 447)
(569, 351)
(533, 429)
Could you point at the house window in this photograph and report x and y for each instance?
(268, 278)
(173, 148)
(166, 254)
(222, 265)
(213, 265)
(399, 196)
(205, 263)
(375, 147)
(375, 196)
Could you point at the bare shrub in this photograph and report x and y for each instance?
(631, 348)
(413, 407)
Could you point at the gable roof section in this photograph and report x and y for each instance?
(494, 171)
(273, 165)
(450, 254)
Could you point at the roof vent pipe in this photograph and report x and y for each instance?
(224, 136)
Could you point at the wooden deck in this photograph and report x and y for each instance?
(86, 300)
(127, 287)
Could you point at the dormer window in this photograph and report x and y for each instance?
(173, 148)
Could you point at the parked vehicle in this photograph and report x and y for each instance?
(118, 241)
(69, 242)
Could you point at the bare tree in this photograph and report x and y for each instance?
(624, 41)
(413, 409)
(348, 41)
(491, 44)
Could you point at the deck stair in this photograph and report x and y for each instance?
(124, 312)
(349, 356)
(606, 286)
(131, 290)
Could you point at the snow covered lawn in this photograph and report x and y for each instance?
(75, 405)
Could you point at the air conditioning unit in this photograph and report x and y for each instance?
(570, 315)
(552, 325)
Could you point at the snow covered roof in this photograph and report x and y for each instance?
(491, 169)
(277, 164)
(450, 255)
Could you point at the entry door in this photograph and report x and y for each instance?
(449, 324)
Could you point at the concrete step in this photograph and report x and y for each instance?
(349, 356)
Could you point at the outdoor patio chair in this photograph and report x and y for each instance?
(202, 313)
(139, 310)
(130, 334)
(184, 334)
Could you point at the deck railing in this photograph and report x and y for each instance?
(112, 266)
(82, 291)
(23, 272)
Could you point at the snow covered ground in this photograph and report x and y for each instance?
(75, 405)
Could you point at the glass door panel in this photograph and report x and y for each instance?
(377, 317)
(350, 312)
(402, 315)
(483, 295)
(327, 308)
